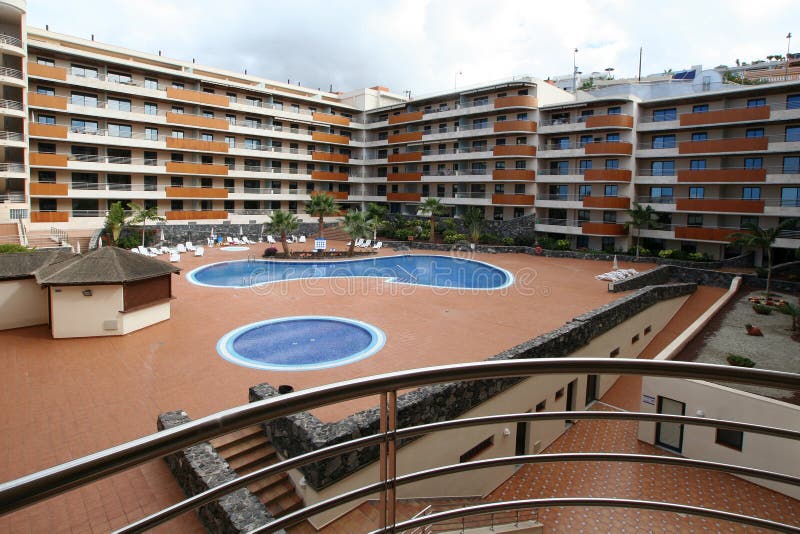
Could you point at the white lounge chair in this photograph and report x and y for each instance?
(164, 250)
(174, 257)
(378, 245)
(199, 251)
(180, 248)
(246, 241)
(189, 246)
(229, 240)
(271, 239)
(144, 251)
(209, 242)
(155, 251)
(302, 239)
(136, 250)
(367, 243)
(359, 242)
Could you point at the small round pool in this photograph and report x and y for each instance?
(301, 343)
(234, 249)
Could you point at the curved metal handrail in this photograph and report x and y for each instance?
(39, 486)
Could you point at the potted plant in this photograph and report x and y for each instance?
(270, 251)
(740, 361)
(762, 309)
(753, 330)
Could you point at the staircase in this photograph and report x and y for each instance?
(248, 450)
(9, 234)
(41, 239)
(333, 233)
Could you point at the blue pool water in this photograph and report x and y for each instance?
(437, 271)
(300, 343)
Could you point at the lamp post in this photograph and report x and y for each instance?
(788, 45)
(574, 72)
(609, 70)
(455, 79)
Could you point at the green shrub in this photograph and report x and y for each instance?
(562, 244)
(547, 243)
(454, 238)
(740, 361)
(667, 253)
(401, 234)
(525, 240)
(642, 252)
(129, 241)
(11, 248)
(508, 241)
(762, 309)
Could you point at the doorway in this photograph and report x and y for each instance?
(570, 407)
(670, 435)
(521, 446)
(591, 389)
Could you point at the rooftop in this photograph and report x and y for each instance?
(108, 265)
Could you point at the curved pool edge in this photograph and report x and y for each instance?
(510, 279)
(225, 344)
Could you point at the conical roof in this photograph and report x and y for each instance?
(107, 265)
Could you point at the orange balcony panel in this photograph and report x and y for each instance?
(405, 137)
(180, 167)
(607, 175)
(514, 175)
(609, 148)
(329, 176)
(407, 156)
(404, 177)
(197, 144)
(196, 192)
(515, 126)
(36, 129)
(47, 101)
(405, 117)
(514, 200)
(197, 122)
(725, 115)
(324, 137)
(739, 144)
(196, 215)
(53, 190)
(514, 150)
(198, 96)
(49, 216)
(722, 175)
(48, 160)
(46, 71)
(704, 234)
(612, 121)
(331, 119)
(610, 203)
(603, 229)
(330, 156)
(338, 195)
(719, 205)
(524, 101)
(403, 197)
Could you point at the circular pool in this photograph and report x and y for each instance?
(301, 343)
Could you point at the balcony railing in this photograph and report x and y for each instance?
(10, 40)
(12, 167)
(11, 73)
(39, 486)
(768, 201)
(10, 104)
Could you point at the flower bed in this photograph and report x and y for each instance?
(767, 301)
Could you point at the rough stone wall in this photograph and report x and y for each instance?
(301, 433)
(198, 233)
(199, 468)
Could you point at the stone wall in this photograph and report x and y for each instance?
(705, 277)
(199, 468)
(198, 233)
(302, 432)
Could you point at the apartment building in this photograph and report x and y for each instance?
(89, 124)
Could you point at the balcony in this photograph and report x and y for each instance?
(196, 192)
(47, 101)
(737, 144)
(338, 195)
(329, 176)
(514, 175)
(518, 101)
(607, 175)
(56, 131)
(405, 156)
(330, 119)
(331, 157)
(180, 167)
(196, 121)
(403, 197)
(512, 200)
(701, 205)
(38, 159)
(195, 215)
(608, 229)
(405, 137)
(198, 97)
(609, 203)
(722, 175)
(513, 150)
(404, 177)
(609, 148)
(405, 117)
(609, 121)
(515, 126)
(43, 189)
(37, 70)
(183, 143)
(725, 116)
(719, 235)
(324, 137)
(49, 216)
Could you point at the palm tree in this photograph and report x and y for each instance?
(474, 221)
(432, 207)
(322, 205)
(641, 217)
(357, 226)
(756, 237)
(141, 215)
(283, 222)
(376, 214)
(114, 221)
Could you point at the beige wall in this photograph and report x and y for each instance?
(22, 303)
(139, 319)
(445, 448)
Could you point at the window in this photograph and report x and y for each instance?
(522, 116)
(746, 220)
(499, 164)
(151, 134)
(150, 108)
(151, 83)
(176, 181)
(177, 134)
(697, 164)
(791, 165)
(694, 219)
(664, 141)
(498, 188)
(45, 61)
(754, 132)
(541, 406)
(150, 158)
(177, 109)
(790, 196)
(583, 216)
(497, 215)
(700, 136)
(150, 183)
(584, 191)
(252, 144)
(231, 119)
(614, 353)
(660, 115)
(520, 164)
(230, 141)
(558, 192)
(84, 99)
(80, 70)
(585, 114)
(610, 190)
(756, 102)
(120, 130)
(584, 165)
(519, 189)
(46, 119)
(729, 438)
(793, 102)
(792, 133)
(42, 90)
(478, 124)
(119, 182)
(207, 114)
(477, 449)
(610, 217)
(559, 168)
(661, 195)
(751, 193)
(177, 85)
(119, 104)
(47, 177)
(585, 140)
(699, 108)
(119, 77)
(753, 163)
(613, 138)
(612, 164)
(176, 156)
(662, 168)
(697, 192)
(614, 110)
(206, 137)
(46, 148)
(176, 205)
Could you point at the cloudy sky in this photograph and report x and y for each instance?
(420, 45)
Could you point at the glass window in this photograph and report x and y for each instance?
(150, 108)
(477, 124)
(664, 141)
(699, 108)
(754, 132)
(729, 438)
(662, 168)
(522, 116)
(583, 216)
(231, 141)
(669, 114)
(84, 99)
(753, 163)
(177, 134)
(207, 114)
(694, 219)
(614, 110)
(791, 165)
(46, 119)
(697, 164)
(661, 195)
(756, 102)
(252, 144)
(558, 192)
(612, 138)
(744, 220)
(790, 196)
(177, 109)
(177, 85)
(80, 70)
(610, 217)
(612, 164)
(150, 83)
(150, 183)
(42, 90)
(584, 165)
(793, 102)
(584, 191)
(206, 137)
(610, 190)
(119, 104)
(232, 119)
(119, 77)
(751, 193)
(585, 140)
(561, 143)
(792, 133)
(699, 136)
(83, 126)
(47, 177)
(697, 192)
(559, 167)
(151, 134)
(120, 130)
(520, 164)
(45, 61)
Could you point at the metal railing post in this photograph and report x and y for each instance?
(388, 458)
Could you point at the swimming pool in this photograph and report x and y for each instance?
(301, 343)
(425, 270)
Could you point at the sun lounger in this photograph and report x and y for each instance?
(135, 250)
(181, 248)
(367, 243)
(189, 246)
(199, 251)
(302, 239)
(271, 239)
(174, 257)
(378, 245)
(359, 242)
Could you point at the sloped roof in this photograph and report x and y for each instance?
(24, 265)
(107, 265)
